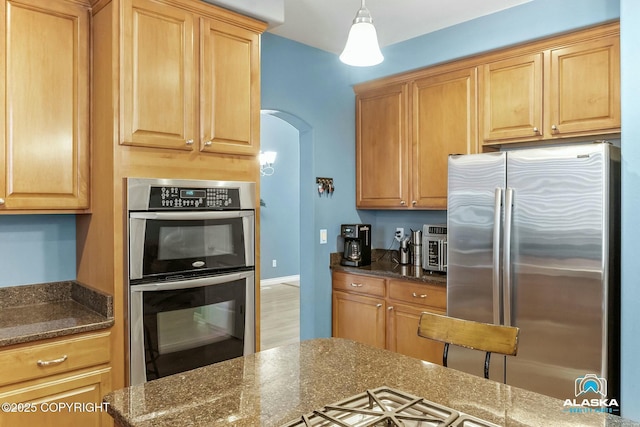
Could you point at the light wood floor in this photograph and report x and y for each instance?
(279, 315)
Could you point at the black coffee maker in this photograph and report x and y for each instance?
(357, 244)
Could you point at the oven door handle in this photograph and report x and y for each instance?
(192, 283)
(186, 216)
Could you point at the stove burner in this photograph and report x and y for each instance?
(387, 407)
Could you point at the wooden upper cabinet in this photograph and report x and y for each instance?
(512, 98)
(159, 96)
(44, 151)
(585, 88)
(444, 122)
(572, 90)
(382, 169)
(230, 89)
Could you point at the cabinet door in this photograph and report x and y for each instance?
(159, 76)
(444, 122)
(47, 401)
(382, 175)
(585, 88)
(45, 123)
(230, 89)
(402, 333)
(512, 96)
(359, 318)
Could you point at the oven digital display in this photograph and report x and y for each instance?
(193, 194)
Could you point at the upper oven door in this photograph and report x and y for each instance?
(174, 243)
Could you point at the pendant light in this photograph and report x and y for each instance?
(362, 48)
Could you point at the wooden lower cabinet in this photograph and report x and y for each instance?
(57, 382)
(402, 333)
(359, 318)
(68, 400)
(388, 316)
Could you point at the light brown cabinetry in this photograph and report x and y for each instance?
(567, 91)
(585, 88)
(160, 76)
(44, 150)
(191, 82)
(444, 122)
(406, 131)
(163, 72)
(58, 383)
(385, 313)
(382, 147)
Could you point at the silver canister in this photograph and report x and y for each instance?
(405, 254)
(416, 247)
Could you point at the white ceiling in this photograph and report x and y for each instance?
(325, 24)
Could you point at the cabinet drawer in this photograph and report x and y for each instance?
(41, 360)
(418, 293)
(358, 283)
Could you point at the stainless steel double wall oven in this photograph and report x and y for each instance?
(191, 274)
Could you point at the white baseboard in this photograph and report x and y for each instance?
(276, 280)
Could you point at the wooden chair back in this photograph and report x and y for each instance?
(480, 336)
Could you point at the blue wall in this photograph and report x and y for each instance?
(309, 83)
(280, 218)
(37, 249)
(630, 90)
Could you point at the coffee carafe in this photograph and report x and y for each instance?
(357, 244)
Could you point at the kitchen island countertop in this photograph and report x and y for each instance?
(276, 386)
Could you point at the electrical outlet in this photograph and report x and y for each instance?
(399, 233)
(274, 263)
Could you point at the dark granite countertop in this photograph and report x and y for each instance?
(34, 312)
(276, 386)
(384, 264)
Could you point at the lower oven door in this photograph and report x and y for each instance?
(183, 325)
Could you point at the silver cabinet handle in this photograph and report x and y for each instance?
(378, 305)
(414, 202)
(1, 201)
(208, 143)
(554, 128)
(536, 130)
(419, 296)
(52, 362)
(356, 285)
(390, 308)
(189, 141)
(402, 202)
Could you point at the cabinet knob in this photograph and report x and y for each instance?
(554, 128)
(189, 141)
(208, 143)
(52, 362)
(402, 202)
(414, 202)
(356, 285)
(389, 308)
(1, 201)
(536, 130)
(419, 296)
(378, 305)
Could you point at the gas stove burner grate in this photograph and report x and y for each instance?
(386, 407)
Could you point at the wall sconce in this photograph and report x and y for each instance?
(266, 162)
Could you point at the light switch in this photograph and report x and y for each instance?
(323, 236)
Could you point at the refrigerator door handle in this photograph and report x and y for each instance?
(496, 256)
(506, 268)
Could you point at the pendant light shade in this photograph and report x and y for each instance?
(362, 48)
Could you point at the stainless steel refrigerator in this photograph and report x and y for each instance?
(534, 242)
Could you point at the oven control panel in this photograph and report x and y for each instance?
(179, 198)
